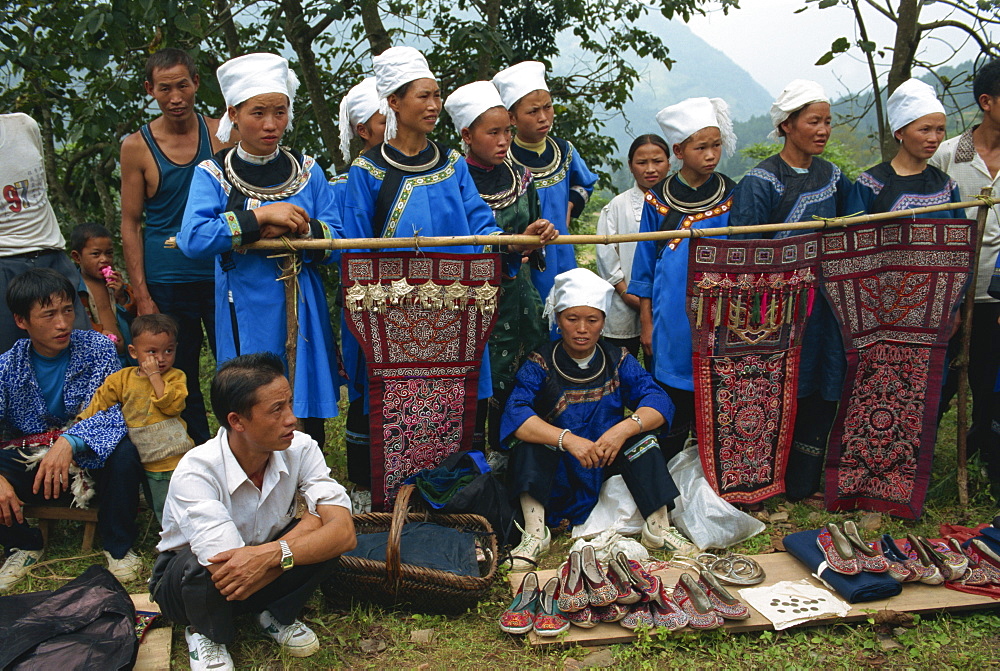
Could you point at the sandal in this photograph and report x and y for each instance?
(725, 604)
(595, 581)
(550, 621)
(519, 618)
(696, 604)
(871, 559)
(572, 592)
(837, 550)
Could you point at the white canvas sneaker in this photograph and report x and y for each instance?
(296, 639)
(204, 654)
(17, 566)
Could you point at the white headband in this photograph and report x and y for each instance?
(519, 80)
(797, 94)
(911, 100)
(681, 121)
(252, 75)
(395, 67)
(467, 103)
(578, 287)
(358, 106)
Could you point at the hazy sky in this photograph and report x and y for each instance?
(775, 45)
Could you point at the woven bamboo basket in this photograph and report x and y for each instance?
(394, 584)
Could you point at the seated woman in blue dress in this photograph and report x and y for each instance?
(917, 120)
(565, 425)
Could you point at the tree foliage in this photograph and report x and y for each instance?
(77, 67)
(835, 152)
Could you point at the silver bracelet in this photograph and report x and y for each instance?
(638, 420)
(562, 435)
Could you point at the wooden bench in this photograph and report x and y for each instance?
(47, 515)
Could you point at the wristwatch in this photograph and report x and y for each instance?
(287, 558)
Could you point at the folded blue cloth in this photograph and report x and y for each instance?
(855, 588)
(425, 544)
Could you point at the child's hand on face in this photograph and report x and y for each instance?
(149, 366)
(116, 283)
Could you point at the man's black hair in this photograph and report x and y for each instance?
(36, 287)
(164, 59)
(235, 386)
(81, 233)
(987, 81)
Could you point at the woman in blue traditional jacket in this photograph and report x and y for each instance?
(563, 424)
(917, 119)
(699, 132)
(797, 185)
(563, 180)
(408, 186)
(257, 190)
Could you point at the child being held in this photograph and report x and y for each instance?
(105, 295)
(152, 397)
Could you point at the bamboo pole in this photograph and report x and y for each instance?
(962, 361)
(420, 242)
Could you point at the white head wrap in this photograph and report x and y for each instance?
(252, 75)
(395, 67)
(910, 101)
(358, 106)
(797, 94)
(519, 80)
(681, 121)
(467, 103)
(577, 287)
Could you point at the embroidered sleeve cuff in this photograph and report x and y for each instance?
(578, 196)
(242, 226)
(319, 230)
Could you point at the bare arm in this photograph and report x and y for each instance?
(646, 322)
(133, 195)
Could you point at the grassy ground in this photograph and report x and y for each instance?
(369, 637)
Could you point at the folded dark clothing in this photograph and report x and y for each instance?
(855, 588)
(425, 544)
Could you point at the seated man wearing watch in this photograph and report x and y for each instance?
(231, 542)
(565, 425)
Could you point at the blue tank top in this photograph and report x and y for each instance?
(165, 212)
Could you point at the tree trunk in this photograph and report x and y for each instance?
(376, 33)
(299, 36)
(492, 18)
(903, 51)
(229, 34)
(44, 118)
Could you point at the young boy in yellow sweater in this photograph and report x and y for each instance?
(152, 397)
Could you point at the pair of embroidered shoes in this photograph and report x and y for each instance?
(535, 609)
(583, 582)
(847, 553)
(934, 563)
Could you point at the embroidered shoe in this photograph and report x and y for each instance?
(666, 613)
(901, 567)
(519, 618)
(613, 613)
(527, 553)
(647, 584)
(205, 654)
(550, 621)
(725, 604)
(572, 589)
(871, 560)
(296, 639)
(599, 590)
(696, 604)
(639, 614)
(617, 578)
(930, 574)
(583, 618)
(838, 551)
(17, 566)
(127, 568)
(952, 566)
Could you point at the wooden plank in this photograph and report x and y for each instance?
(154, 651)
(61, 513)
(915, 598)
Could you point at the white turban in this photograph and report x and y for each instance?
(910, 101)
(519, 80)
(797, 94)
(681, 121)
(395, 67)
(252, 75)
(467, 103)
(358, 106)
(575, 288)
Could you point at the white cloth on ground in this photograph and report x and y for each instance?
(791, 602)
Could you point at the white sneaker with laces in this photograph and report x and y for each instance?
(669, 539)
(361, 501)
(125, 569)
(296, 639)
(204, 654)
(531, 547)
(17, 566)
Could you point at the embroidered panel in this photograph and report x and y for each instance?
(894, 287)
(423, 321)
(748, 301)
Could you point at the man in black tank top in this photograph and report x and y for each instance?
(156, 167)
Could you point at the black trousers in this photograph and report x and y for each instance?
(807, 458)
(532, 470)
(184, 590)
(674, 434)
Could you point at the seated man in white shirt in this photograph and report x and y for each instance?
(230, 542)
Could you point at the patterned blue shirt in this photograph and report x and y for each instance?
(23, 409)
